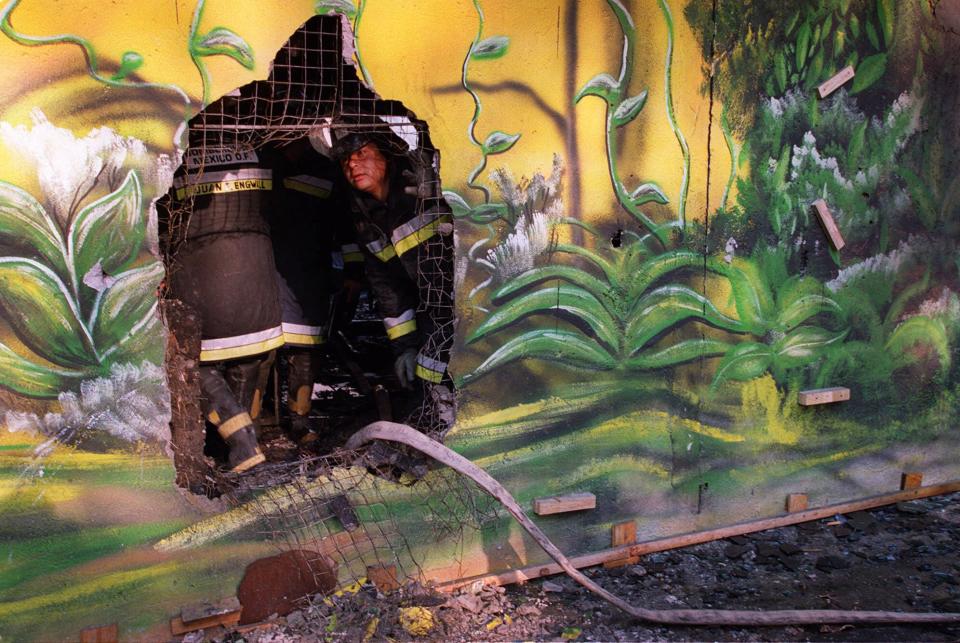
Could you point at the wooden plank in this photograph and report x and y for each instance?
(815, 396)
(384, 577)
(911, 480)
(206, 609)
(834, 82)
(178, 626)
(563, 504)
(100, 634)
(796, 502)
(829, 225)
(695, 538)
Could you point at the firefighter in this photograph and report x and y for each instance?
(306, 227)
(401, 233)
(223, 268)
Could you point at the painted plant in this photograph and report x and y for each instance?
(78, 285)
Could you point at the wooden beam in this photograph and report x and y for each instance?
(834, 82)
(563, 504)
(200, 616)
(695, 538)
(816, 396)
(911, 480)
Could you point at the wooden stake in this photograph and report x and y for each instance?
(796, 502)
(623, 533)
(695, 538)
(911, 480)
(563, 504)
(100, 634)
(832, 84)
(816, 396)
(829, 225)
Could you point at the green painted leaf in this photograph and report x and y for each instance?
(780, 71)
(602, 85)
(751, 294)
(678, 353)
(326, 7)
(855, 26)
(109, 230)
(499, 142)
(146, 341)
(121, 308)
(490, 48)
(26, 377)
(221, 41)
(803, 41)
(656, 267)
(806, 307)
(609, 270)
(812, 75)
(490, 212)
(43, 314)
(791, 23)
(904, 297)
(629, 109)
(25, 225)
(855, 148)
(825, 27)
(130, 62)
(803, 345)
(560, 346)
(665, 307)
(871, 69)
(872, 35)
(572, 302)
(922, 199)
(534, 276)
(647, 192)
(886, 17)
(457, 203)
(745, 362)
(920, 330)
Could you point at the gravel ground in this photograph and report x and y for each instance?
(899, 558)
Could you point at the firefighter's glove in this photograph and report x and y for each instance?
(405, 367)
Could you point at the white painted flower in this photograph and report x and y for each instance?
(531, 238)
(69, 168)
(887, 264)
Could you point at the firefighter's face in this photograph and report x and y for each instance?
(366, 170)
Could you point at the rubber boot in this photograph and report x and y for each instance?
(241, 437)
(299, 393)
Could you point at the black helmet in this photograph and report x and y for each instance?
(346, 142)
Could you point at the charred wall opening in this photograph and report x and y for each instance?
(227, 209)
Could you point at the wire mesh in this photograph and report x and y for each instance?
(340, 505)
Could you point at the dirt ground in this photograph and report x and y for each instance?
(901, 558)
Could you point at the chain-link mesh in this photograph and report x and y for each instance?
(346, 506)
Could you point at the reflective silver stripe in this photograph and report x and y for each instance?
(350, 247)
(411, 226)
(432, 364)
(407, 315)
(301, 329)
(382, 249)
(215, 177)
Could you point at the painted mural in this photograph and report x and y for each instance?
(643, 289)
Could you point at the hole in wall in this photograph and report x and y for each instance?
(300, 299)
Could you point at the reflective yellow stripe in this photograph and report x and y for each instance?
(242, 350)
(234, 424)
(250, 462)
(428, 375)
(308, 185)
(353, 257)
(299, 339)
(405, 237)
(214, 417)
(382, 250)
(219, 182)
(397, 327)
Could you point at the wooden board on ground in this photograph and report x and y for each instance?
(100, 634)
(200, 616)
(562, 504)
(834, 82)
(623, 533)
(816, 396)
